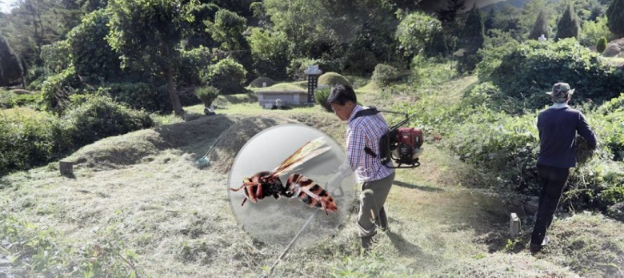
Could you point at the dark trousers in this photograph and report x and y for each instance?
(553, 181)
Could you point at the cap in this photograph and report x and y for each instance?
(561, 90)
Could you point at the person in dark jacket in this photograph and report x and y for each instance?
(558, 126)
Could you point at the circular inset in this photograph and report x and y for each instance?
(277, 221)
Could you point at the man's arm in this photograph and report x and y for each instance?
(585, 131)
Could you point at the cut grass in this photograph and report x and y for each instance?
(140, 194)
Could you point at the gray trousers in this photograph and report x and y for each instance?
(372, 199)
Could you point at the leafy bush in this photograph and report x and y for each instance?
(56, 57)
(360, 62)
(601, 45)
(137, 95)
(530, 69)
(298, 66)
(9, 99)
(207, 94)
(615, 104)
(57, 89)
(416, 31)
(385, 75)
(505, 146)
(99, 117)
(332, 79)
(192, 63)
(6, 99)
(29, 139)
(320, 96)
(227, 75)
(270, 53)
(433, 71)
(92, 56)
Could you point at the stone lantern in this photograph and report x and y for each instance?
(313, 72)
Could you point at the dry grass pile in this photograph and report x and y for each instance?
(589, 244)
(136, 147)
(501, 265)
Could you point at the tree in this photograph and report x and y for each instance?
(472, 38)
(450, 14)
(488, 23)
(146, 34)
(270, 53)
(92, 56)
(10, 66)
(228, 29)
(416, 31)
(615, 14)
(473, 35)
(568, 25)
(540, 27)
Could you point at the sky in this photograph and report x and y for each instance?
(5, 5)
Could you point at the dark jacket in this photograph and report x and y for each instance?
(557, 127)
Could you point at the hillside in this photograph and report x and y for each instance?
(137, 204)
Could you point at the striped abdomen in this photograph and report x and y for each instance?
(310, 192)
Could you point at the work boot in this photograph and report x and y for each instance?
(367, 243)
(538, 247)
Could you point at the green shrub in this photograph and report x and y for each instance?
(385, 75)
(207, 94)
(92, 56)
(57, 89)
(227, 75)
(320, 96)
(360, 62)
(332, 79)
(56, 57)
(505, 146)
(6, 99)
(298, 66)
(615, 104)
(433, 71)
(28, 140)
(137, 95)
(601, 45)
(99, 117)
(270, 53)
(530, 70)
(192, 63)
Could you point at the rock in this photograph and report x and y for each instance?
(614, 49)
(616, 211)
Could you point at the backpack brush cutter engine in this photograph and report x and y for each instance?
(400, 144)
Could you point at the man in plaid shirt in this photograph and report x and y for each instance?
(363, 135)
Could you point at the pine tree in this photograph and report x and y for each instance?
(615, 15)
(568, 25)
(10, 66)
(540, 27)
(449, 15)
(488, 24)
(473, 35)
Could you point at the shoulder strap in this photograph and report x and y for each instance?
(366, 112)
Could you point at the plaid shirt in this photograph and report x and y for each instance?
(365, 131)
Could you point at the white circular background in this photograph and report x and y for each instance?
(278, 221)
